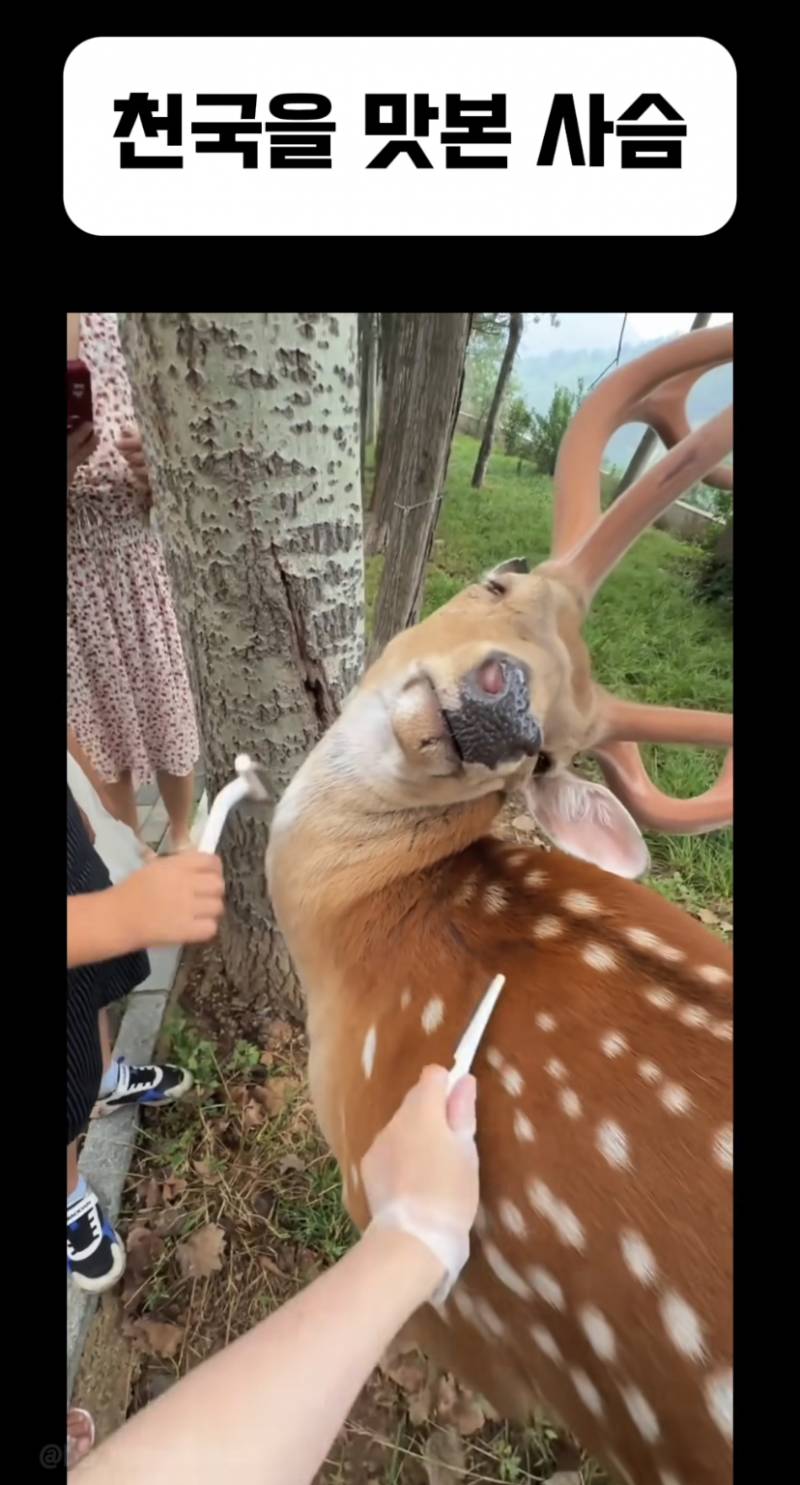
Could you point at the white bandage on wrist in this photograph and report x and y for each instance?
(449, 1244)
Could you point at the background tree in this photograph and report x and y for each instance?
(422, 392)
(549, 430)
(251, 426)
(368, 359)
(516, 325)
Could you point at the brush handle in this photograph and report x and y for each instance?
(228, 796)
(470, 1041)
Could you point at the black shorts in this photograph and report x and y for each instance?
(91, 987)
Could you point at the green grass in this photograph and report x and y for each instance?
(650, 637)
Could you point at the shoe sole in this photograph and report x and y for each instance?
(102, 1110)
(104, 1281)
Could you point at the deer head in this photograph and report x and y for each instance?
(494, 692)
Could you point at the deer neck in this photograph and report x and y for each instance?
(339, 862)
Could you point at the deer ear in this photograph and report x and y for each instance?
(588, 821)
(514, 564)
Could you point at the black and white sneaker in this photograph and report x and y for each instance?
(136, 1085)
(95, 1252)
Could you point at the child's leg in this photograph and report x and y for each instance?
(72, 1168)
(123, 800)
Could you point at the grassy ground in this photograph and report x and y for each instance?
(234, 1203)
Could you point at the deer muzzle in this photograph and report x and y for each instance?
(492, 722)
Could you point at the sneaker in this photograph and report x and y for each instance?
(144, 1085)
(95, 1252)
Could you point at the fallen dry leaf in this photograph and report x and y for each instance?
(266, 1059)
(270, 1266)
(173, 1187)
(155, 1337)
(291, 1162)
(152, 1193)
(445, 1458)
(279, 1033)
(201, 1254)
(706, 916)
(144, 1248)
(409, 1372)
(276, 1093)
(253, 1115)
(458, 1407)
(204, 1169)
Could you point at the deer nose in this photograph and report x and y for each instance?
(493, 723)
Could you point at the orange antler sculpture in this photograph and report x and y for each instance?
(588, 544)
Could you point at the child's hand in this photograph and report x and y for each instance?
(174, 900)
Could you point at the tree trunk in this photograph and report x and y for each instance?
(424, 382)
(250, 422)
(367, 367)
(515, 327)
(648, 441)
(386, 327)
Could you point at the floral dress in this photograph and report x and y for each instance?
(129, 699)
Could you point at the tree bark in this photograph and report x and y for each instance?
(386, 327)
(367, 369)
(649, 439)
(516, 325)
(424, 381)
(250, 424)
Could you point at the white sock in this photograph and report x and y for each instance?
(110, 1080)
(77, 1195)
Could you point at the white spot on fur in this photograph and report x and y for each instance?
(638, 1256)
(668, 1477)
(495, 898)
(718, 1389)
(597, 956)
(558, 1214)
(644, 939)
(523, 1128)
(535, 878)
(580, 902)
(612, 1142)
(675, 1098)
(723, 1147)
(723, 1030)
(641, 1413)
(433, 1014)
(555, 1069)
(545, 1021)
(682, 1326)
(512, 1218)
(548, 927)
(405, 1000)
(712, 974)
(598, 1332)
(649, 1071)
(516, 857)
(489, 1318)
(494, 1058)
(663, 999)
(368, 1051)
(465, 892)
(481, 1223)
(570, 1103)
(546, 1286)
(512, 1080)
(504, 1271)
(587, 1392)
(547, 1343)
(614, 1044)
(694, 1015)
(464, 1303)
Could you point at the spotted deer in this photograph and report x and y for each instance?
(598, 1289)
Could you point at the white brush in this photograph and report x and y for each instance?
(247, 785)
(470, 1041)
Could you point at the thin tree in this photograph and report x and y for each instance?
(516, 324)
(251, 426)
(421, 399)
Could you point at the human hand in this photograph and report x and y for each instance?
(173, 900)
(81, 444)
(129, 444)
(421, 1172)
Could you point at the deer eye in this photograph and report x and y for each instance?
(493, 586)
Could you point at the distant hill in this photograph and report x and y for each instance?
(540, 375)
